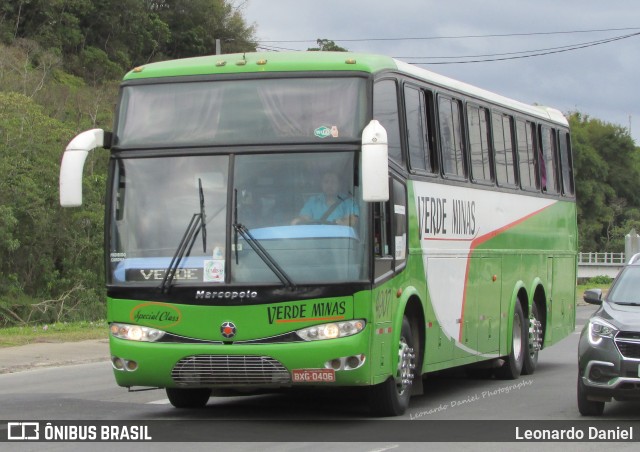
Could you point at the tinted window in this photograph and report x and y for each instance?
(241, 111)
(385, 110)
(416, 128)
(565, 162)
(451, 136)
(548, 161)
(503, 146)
(479, 143)
(526, 155)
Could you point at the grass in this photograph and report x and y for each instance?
(56, 332)
(580, 288)
(81, 331)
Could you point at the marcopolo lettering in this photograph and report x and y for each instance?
(228, 294)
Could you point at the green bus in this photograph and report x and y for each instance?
(320, 219)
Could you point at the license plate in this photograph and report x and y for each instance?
(313, 375)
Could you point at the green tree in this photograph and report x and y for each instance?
(326, 45)
(45, 251)
(100, 39)
(196, 24)
(607, 166)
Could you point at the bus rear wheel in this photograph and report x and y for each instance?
(188, 397)
(391, 398)
(535, 337)
(512, 367)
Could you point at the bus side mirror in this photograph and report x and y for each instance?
(73, 164)
(375, 163)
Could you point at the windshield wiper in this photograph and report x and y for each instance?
(197, 224)
(257, 247)
(186, 243)
(203, 217)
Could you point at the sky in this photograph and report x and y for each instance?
(575, 71)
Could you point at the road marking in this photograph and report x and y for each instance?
(394, 446)
(159, 402)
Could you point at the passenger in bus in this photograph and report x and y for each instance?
(329, 207)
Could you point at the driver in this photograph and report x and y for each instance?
(329, 207)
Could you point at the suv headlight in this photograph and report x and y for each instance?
(135, 332)
(331, 330)
(600, 329)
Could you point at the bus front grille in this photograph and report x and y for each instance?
(230, 370)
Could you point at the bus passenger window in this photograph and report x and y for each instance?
(503, 147)
(479, 148)
(385, 110)
(526, 155)
(419, 135)
(566, 164)
(548, 160)
(451, 137)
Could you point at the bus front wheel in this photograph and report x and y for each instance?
(188, 397)
(391, 398)
(512, 367)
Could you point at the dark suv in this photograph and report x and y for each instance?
(609, 349)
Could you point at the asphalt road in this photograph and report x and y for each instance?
(88, 392)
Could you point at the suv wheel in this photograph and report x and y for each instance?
(588, 407)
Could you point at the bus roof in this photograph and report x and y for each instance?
(244, 63)
(455, 85)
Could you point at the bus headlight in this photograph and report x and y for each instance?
(331, 330)
(135, 332)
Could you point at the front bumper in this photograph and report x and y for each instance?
(600, 380)
(337, 362)
(606, 373)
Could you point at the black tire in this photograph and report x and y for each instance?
(188, 397)
(531, 358)
(585, 406)
(512, 367)
(391, 398)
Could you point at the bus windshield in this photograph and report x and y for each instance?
(247, 111)
(303, 209)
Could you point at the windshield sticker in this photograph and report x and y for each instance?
(118, 257)
(326, 131)
(214, 270)
(401, 243)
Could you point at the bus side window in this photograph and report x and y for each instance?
(385, 110)
(399, 223)
(420, 138)
(451, 144)
(526, 155)
(566, 165)
(382, 246)
(548, 160)
(503, 148)
(390, 231)
(479, 149)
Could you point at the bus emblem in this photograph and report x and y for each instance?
(228, 330)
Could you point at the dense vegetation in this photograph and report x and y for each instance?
(60, 61)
